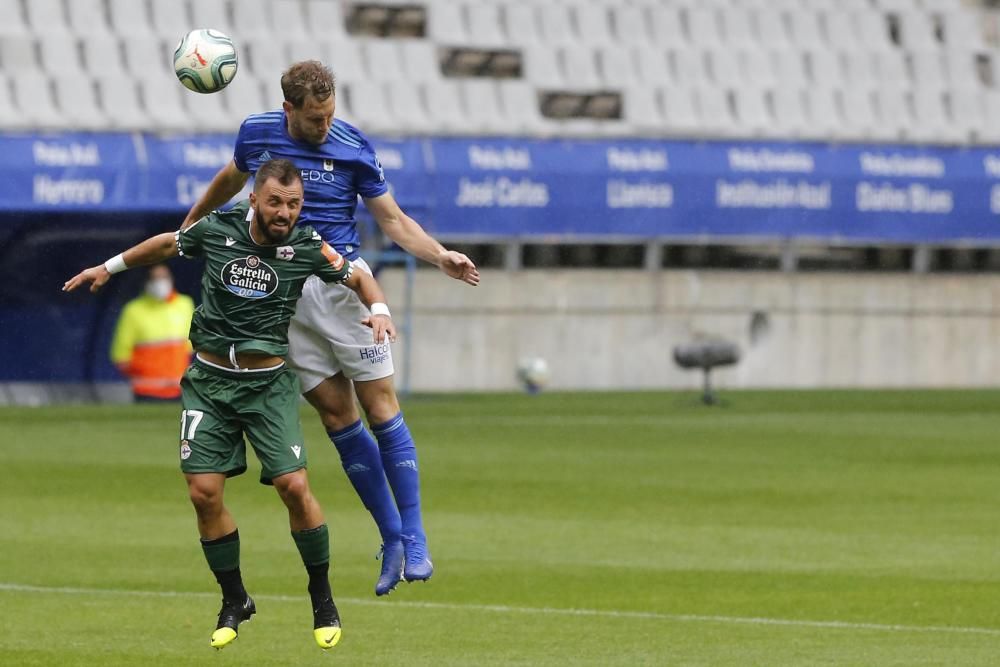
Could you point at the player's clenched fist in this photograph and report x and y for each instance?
(97, 276)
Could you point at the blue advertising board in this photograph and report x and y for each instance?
(524, 188)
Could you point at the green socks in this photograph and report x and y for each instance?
(223, 556)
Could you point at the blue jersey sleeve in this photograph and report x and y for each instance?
(240, 152)
(369, 178)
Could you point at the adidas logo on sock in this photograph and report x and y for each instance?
(356, 467)
(408, 463)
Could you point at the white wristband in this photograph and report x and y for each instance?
(116, 264)
(380, 309)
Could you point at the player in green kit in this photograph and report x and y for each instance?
(256, 262)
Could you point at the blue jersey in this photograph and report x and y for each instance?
(334, 173)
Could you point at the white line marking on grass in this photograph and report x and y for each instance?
(554, 611)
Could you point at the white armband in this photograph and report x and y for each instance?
(380, 309)
(116, 264)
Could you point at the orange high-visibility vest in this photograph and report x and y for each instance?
(150, 343)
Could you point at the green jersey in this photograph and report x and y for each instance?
(249, 290)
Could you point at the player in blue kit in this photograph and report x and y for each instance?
(330, 350)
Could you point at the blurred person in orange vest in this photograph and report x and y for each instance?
(150, 346)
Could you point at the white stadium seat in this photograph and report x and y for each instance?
(593, 24)
(209, 112)
(407, 107)
(243, 97)
(485, 24)
(541, 67)
(33, 92)
(758, 67)
(11, 118)
(266, 59)
(805, 28)
(556, 24)
(382, 58)
(725, 67)
(738, 28)
(840, 30)
(873, 30)
(143, 52)
(962, 70)
(716, 111)
(18, 53)
(703, 27)
(520, 104)
(928, 70)
(825, 68)
(791, 68)
(120, 100)
(253, 20)
(315, 48)
(667, 27)
(13, 23)
(445, 23)
(859, 69)
(102, 54)
(642, 111)
(654, 66)
(680, 111)
(87, 17)
(789, 111)
(931, 119)
(689, 67)
(325, 19)
(60, 54)
(753, 117)
(825, 121)
(77, 97)
(895, 113)
(962, 31)
(858, 109)
(579, 64)
(916, 31)
(444, 105)
(212, 14)
(482, 103)
(892, 70)
(991, 105)
(292, 15)
(129, 17)
(345, 59)
(968, 113)
(45, 16)
(163, 101)
(170, 18)
(772, 29)
(631, 24)
(617, 65)
(420, 60)
(522, 23)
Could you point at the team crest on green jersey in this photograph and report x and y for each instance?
(249, 277)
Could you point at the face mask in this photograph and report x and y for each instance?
(160, 288)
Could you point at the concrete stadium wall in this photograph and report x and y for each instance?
(614, 329)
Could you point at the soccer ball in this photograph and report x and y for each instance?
(205, 60)
(533, 374)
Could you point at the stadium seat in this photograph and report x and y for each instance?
(446, 24)
(715, 109)
(641, 110)
(680, 111)
(894, 5)
(18, 53)
(928, 70)
(325, 19)
(420, 60)
(654, 66)
(294, 25)
(858, 109)
(757, 67)
(689, 67)
(522, 23)
(33, 93)
(252, 20)
(46, 16)
(873, 31)
(962, 31)
(14, 22)
(243, 97)
(102, 54)
(316, 48)
(771, 29)
(990, 133)
(485, 25)
(87, 18)
(11, 118)
(266, 59)
(725, 67)
(753, 117)
(892, 70)
(521, 109)
(120, 101)
(345, 59)
(129, 17)
(142, 52)
(825, 121)
(703, 27)
(825, 68)
(931, 119)
(941, 5)
(579, 65)
(894, 112)
(382, 58)
(170, 18)
(631, 25)
(407, 107)
(371, 107)
(738, 29)
(667, 28)
(789, 111)
(541, 67)
(59, 53)
(77, 98)
(617, 65)
(482, 103)
(916, 31)
(593, 24)
(556, 25)
(213, 14)
(444, 105)
(805, 28)
(859, 69)
(209, 112)
(791, 68)
(163, 101)
(840, 31)
(962, 70)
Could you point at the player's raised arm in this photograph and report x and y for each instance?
(151, 251)
(225, 185)
(409, 235)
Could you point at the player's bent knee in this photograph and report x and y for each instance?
(378, 398)
(292, 487)
(205, 495)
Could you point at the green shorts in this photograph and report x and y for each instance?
(220, 406)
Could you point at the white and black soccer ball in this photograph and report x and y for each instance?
(205, 60)
(533, 373)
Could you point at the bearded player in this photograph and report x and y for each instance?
(332, 354)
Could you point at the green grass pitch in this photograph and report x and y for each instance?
(784, 528)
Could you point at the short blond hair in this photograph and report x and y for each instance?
(305, 79)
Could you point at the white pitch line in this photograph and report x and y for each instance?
(555, 611)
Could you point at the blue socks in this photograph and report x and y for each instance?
(399, 459)
(359, 454)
